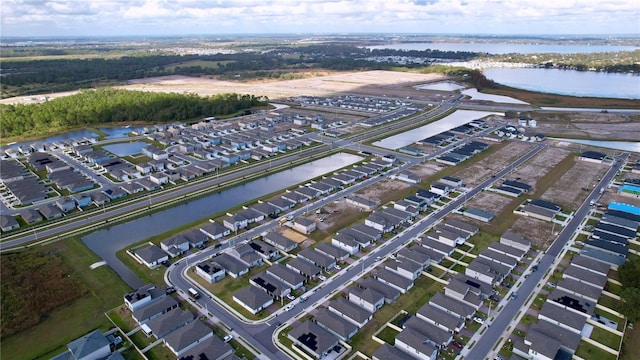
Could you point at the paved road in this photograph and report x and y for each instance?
(485, 343)
(262, 333)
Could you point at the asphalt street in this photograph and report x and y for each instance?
(262, 333)
(485, 344)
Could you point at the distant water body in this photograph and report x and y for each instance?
(569, 82)
(507, 48)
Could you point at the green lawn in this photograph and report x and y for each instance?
(78, 318)
(609, 302)
(528, 319)
(590, 352)
(388, 335)
(606, 338)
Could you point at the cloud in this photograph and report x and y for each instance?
(152, 17)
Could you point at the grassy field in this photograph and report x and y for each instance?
(631, 344)
(388, 335)
(205, 64)
(78, 318)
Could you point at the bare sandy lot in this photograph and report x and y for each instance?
(384, 190)
(490, 201)
(377, 82)
(491, 164)
(568, 191)
(537, 231)
(605, 126)
(539, 166)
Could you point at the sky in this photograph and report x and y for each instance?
(36, 18)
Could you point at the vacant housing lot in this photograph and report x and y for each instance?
(570, 190)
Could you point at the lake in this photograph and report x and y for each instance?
(616, 145)
(569, 82)
(106, 242)
(507, 48)
(125, 149)
(458, 118)
(475, 95)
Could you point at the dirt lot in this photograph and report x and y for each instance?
(490, 201)
(537, 231)
(588, 125)
(538, 166)
(611, 195)
(568, 190)
(491, 164)
(385, 190)
(378, 83)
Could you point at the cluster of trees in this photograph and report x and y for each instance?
(33, 284)
(630, 295)
(110, 105)
(619, 62)
(429, 53)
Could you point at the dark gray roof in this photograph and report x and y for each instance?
(389, 292)
(369, 295)
(459, 308)
(265, 208)
(87, 344)
(566, 338)
(438, 316)
(499, 257)
(388, 352)
(150, 253)
(618, 230)
(8, 221)
(304, 267)
(331, 250)
(230, 263)
(514, 237)
(279, 240)
(270, 284)
(543, 344)
(285, 274)
(154, 308)
(393, 278)
(187, 335)
(587, 276)
(316, 258)
(552, 310)
(438, 335)
(30, 216)
(416, 341)
(211, 349)
(314, 337)
(414, 256)
(608, 246)
(591, 264)
(252, 296)
(350, 310)
(335, 323)
(572, 301)
(580, 288)
(169, 321)
(506, 249)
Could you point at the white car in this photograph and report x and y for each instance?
(338, 267)
(322, 278)
(289, 307)
(478, 319)
(291, 297)
(227, 338)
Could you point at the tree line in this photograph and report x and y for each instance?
(109, 105)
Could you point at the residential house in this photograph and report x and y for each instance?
(313, 339)
(389, 352)
(405, 268)
(30, 216)
(436, 335)
(335, 324)
(515, 240)
(93, 345)
(214, 230)
(353, 313)
(252, 299)
(232, 265)
(286, 275)
(154, 309)
(212, 348)
(368, 299)
(452, 306)
(279, 241)
(8, 223)
(210, 271)
(440, 318)
(187, 337)
(416, 345)
(166, 323)
(323, 261)
(304, 267)
(390, 293)
(304, 225)
(247, 255)
(394, 280)
(333, 251)
(271, 285)
(143, 296)
(151, 256)
(265, 250)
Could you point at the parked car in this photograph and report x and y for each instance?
(289, 307)
(227, 338)
(291, 297)
(322, 278)
(478, 319)
(456, 345)
(514, 295)
(338, 267)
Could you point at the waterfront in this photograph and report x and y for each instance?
(506, 48)
(105, 243)
(458, 118)
(615, 145)
(568, 82)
